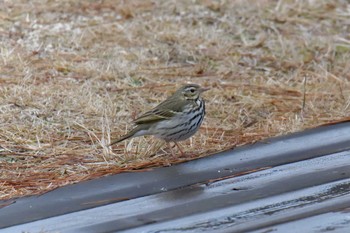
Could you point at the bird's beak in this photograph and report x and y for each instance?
(202, 89)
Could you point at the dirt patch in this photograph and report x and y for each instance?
(75, 73)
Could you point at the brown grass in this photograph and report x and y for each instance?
(75, 73)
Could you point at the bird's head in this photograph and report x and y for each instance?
(191, 91)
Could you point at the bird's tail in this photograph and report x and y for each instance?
(130, 134)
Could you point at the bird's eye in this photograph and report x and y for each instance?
(192, 90)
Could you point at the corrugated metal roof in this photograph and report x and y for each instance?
(299, 182)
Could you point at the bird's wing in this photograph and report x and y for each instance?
(154, 116)
(163, 111)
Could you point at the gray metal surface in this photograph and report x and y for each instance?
(308, 177)
(335, 222)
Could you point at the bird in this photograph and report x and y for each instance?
(175, 119)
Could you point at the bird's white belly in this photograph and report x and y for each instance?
(178, 128)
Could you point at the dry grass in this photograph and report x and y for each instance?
(75, 73)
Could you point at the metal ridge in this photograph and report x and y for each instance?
(265, 198)
(268, 153)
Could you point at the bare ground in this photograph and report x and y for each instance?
(75, 73)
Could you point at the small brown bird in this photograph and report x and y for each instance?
(175, 119)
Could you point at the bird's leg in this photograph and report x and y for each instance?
(182, 153)
(171, 149)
